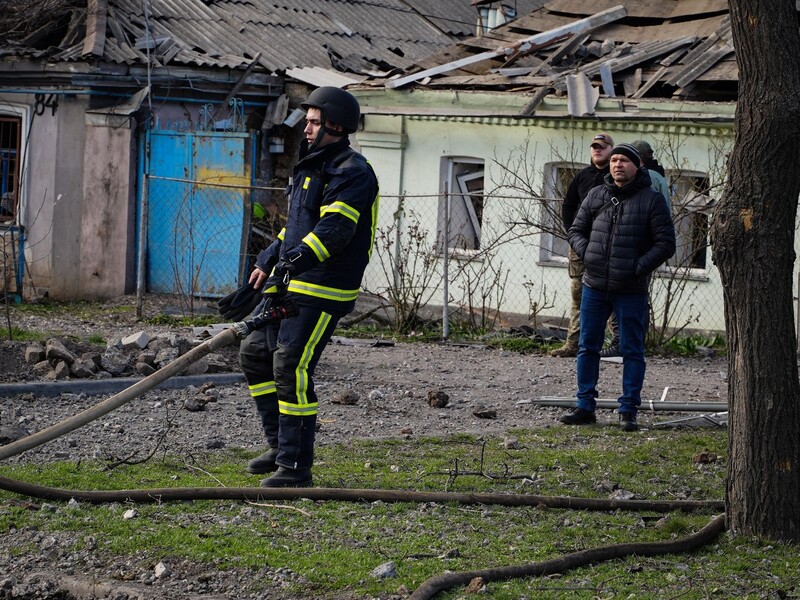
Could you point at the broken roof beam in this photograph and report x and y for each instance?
(639, 54)
(544, 38)
(95, 40)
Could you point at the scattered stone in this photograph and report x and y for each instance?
(704, 458)
(10, 434)
(195, 404)
(621, 494)
(138, 340)
(82, 368)
(129, 514)
(34, 354)
(215, 445)
(484, 413)
(375, 396)
(144, 369)
(438, 398)
(147, 357)
(476, 586)
(61, 370)
(511, 443)
(161, 570)
(347, 398)
(387, 570)
(54, 350)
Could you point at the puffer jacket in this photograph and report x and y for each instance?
(333, 211)
(622, 235)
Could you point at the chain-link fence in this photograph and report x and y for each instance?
(474, 262)
(504, 263)
(198, 239)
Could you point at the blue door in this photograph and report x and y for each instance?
(198, 212)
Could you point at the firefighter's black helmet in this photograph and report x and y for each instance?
(339, 106)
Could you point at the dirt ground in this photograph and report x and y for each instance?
(489, 391)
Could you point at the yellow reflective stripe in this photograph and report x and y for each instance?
(306, 182)
(313, 242)
(282, 233)
(320, 291)
(271, 290)
(341, 208)
(374, 224)
(262, 389)
(303, 406)
(287, 408)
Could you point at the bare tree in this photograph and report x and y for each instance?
(753, 246)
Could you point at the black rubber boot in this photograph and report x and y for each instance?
(284, 477)
(264, 463)
(296, 441)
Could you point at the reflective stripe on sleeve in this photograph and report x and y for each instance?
(313, 242)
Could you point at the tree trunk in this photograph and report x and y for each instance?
(753, 247)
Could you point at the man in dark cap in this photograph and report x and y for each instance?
(584, 180)
(622, 232)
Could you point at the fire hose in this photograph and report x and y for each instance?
(429, 588)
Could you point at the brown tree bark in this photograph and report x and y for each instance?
(753, 246)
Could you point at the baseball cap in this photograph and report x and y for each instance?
(602, 138)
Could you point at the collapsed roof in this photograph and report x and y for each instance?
(620, 48)
(365, 37)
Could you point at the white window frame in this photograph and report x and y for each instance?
(686, 204)
(458, 176)
(553, 249)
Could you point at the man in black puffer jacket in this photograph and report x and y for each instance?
(623, 232)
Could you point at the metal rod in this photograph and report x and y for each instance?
(652, 405)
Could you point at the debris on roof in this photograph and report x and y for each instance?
(354, 36)
(655, 48)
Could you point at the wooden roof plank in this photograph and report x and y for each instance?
(579, 26)
(686, 8)
(636, 8)
(642, 53)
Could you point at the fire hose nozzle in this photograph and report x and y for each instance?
(264, 318)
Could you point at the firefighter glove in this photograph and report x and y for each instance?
(240, 304)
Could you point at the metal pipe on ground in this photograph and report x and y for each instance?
(659, 405)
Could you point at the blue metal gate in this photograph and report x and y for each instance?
(198, 212)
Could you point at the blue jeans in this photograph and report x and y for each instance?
(631, 311)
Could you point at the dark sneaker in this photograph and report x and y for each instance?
(627, 422)
(565, 351)
(284, 477)
(578, 416)
(611, 352)
(264, 463)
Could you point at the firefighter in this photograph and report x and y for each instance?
(317, 264)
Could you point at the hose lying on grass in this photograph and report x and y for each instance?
(434, 585)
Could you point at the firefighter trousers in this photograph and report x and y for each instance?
(280, 378)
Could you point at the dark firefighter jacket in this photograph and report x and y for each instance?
(622, 235)
(333, 211)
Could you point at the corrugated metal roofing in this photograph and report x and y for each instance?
(365, 36)
(662, 48)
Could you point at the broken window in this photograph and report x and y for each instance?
(691, 214)
(557, 177)
(461, 207)
(10, 128)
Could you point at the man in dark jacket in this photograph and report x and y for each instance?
(623, 232)
(316, 264)
(584, 180)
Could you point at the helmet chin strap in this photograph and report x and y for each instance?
(323, 130)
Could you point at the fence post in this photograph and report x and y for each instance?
(446, 255)
(142, 258)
